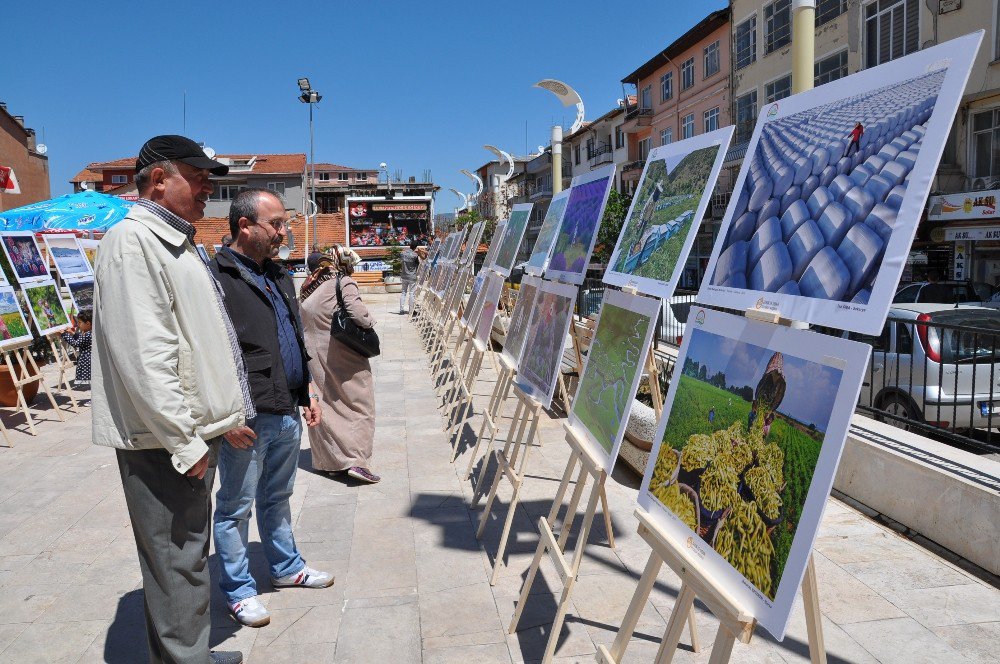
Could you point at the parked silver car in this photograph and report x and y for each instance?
(942, 368)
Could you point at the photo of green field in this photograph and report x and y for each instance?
(12, 323)
(663, 213)
(740, 449)
(616, 354)
(46, 307)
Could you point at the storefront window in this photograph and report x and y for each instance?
(387, 223)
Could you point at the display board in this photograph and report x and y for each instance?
(519, 319)
(675, 190)
(512, 237)
(474, 296)
(67, 255)
(89, 248)
(456, 245)
(820, 225)
(610, 379)
(495, 243)
(13, 327)
(544, 341)
(435, 252)
(472, 242)
(577, 234)
(539, 258)
(488, 307)
(46, 307)
(746, 451)
(24, 257)
(81, 289)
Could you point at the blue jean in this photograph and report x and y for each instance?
(266, 472)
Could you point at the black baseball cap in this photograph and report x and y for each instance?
(177, 148)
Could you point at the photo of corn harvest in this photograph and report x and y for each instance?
(740, 449)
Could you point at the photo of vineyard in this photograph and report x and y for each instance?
(741, 447)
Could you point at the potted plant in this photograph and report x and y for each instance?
(391, 277)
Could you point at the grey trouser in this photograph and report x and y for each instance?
(409, 289)
(171, 518)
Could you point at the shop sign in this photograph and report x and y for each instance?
(960, 264)
(964, 205)
(974, 234)
(398, 207)
(373, 266)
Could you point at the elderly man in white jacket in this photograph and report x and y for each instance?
(168, 383)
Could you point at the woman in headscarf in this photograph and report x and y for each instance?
(343, 440)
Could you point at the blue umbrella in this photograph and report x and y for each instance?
(83, 211)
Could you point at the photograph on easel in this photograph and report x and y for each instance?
(81, 289)
(747, 448)
(24, 257)
(474, 295)
(539, 258)
(488, 308)
(516, 226)
(545, 340)
(514, 340)
(67, 255)
(13, 327)
(615, 363)
(828, 199)
(46, 307)
(578, 230)
(89, 249)
(676, 186)
(495, 242)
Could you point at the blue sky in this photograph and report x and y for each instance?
(415, 84)
(811, 388)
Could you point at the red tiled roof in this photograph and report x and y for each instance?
(265, 163)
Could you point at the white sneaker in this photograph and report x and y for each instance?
(250, 612)
(306, 577)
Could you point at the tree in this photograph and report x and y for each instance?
(395, 261)
(703, 373)
(611, 225)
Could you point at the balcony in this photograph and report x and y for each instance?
(637, 117)
(632, 170)
(602, 154)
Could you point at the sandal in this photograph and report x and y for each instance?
(363, 475)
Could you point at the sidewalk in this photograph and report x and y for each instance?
(412, 579)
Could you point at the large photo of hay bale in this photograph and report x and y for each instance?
(832, 188)
(747, 450)
(674, 191)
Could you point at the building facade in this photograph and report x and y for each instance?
(19, 152)
(598, 144)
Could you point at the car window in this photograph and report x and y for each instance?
(904, 338)
(908, 294)
(879, 344)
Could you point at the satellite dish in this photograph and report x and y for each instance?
(209, 152)
(284, 252)
(85, 185)
(41, 148)
(541, 149)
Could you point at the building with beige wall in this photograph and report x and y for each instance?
(19, 152)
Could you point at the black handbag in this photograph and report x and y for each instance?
(343, 328)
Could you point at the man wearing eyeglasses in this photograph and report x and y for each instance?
(260, 298)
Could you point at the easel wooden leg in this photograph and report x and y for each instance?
(20, 379)
(64, 362)
(635, 607)
(607, 518)
(41, 382)
(814, 619)
(722, 650)
(675, 626)
(490, 417)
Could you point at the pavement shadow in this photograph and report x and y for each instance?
(126, 639)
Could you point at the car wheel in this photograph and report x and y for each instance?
(900, 406)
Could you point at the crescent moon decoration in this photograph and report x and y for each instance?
(465, 199)
(567, 95)
(475, 178)
(503, 156)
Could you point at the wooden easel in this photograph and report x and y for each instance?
(735, 622)
(64, 363)
(468, 374)
(24, 376)
(491, 416)
(590, 467)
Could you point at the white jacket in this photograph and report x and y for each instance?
(164, 375)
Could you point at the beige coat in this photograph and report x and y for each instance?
(346, 431)
(164, 375)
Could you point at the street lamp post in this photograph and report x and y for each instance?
(311, 97)
(803, 44)
(569, 97)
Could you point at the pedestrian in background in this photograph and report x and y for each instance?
(169, 383)
(411, 261)
(260, 299)
(343, 440)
